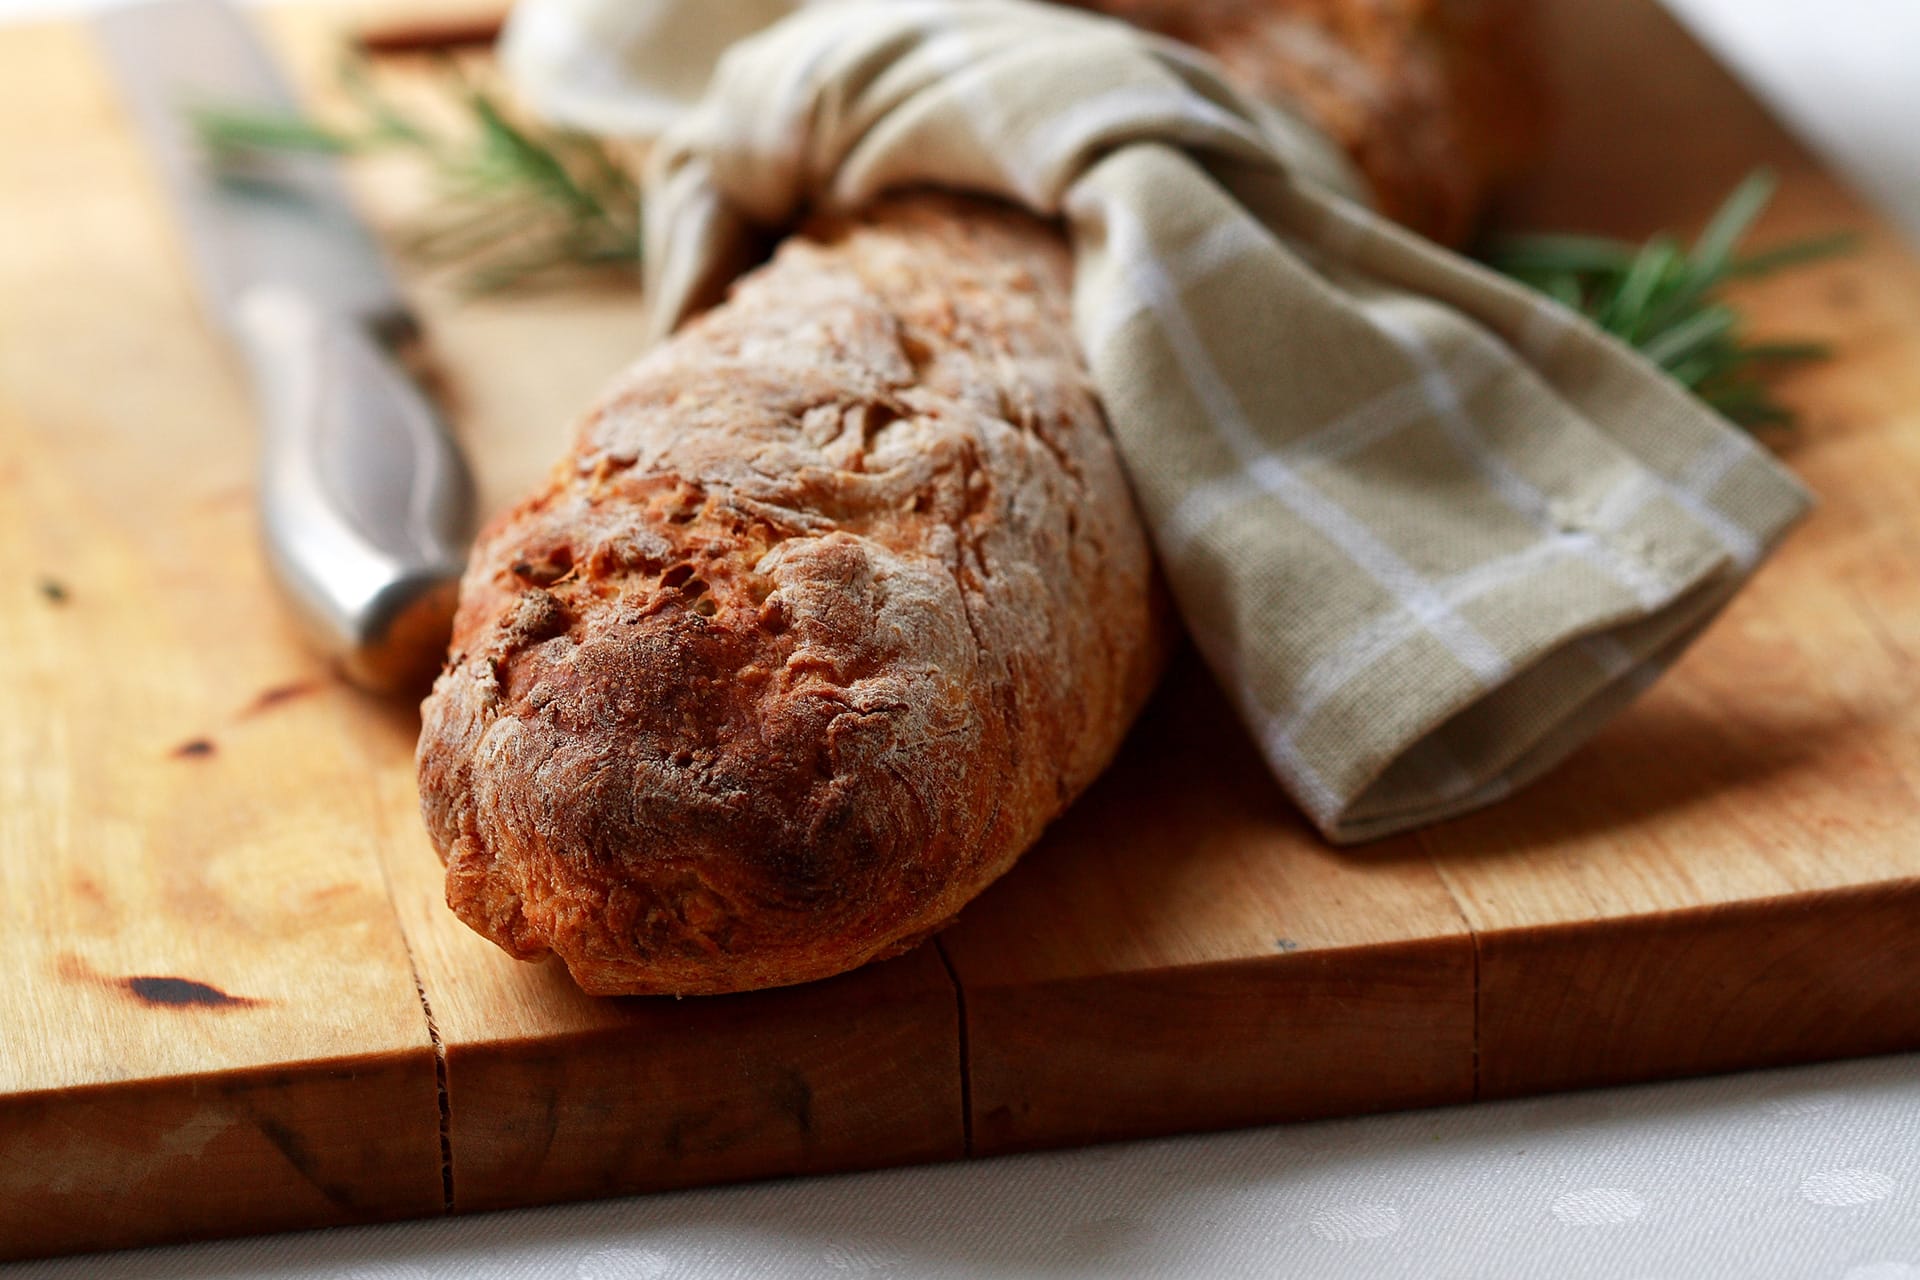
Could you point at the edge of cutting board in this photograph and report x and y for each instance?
(1105, 989)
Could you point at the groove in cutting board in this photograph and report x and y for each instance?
(1180, 953)
(966, 1056)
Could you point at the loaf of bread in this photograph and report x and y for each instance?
(838, 600)
(1434, 101)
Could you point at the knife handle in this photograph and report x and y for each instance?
(365, 501)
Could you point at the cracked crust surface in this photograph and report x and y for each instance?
(839, 598)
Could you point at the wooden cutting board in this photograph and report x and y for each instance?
(234, 1002)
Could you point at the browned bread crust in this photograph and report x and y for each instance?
(838, 600)
(1433, 100)
(840, 596)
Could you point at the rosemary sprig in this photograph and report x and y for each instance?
(521, 204)
(515, 204)
(1666, 299)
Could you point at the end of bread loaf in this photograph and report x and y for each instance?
(838, 600)
(1434, 101)
(840, 597)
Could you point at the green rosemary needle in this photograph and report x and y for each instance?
(515, 205)
(521, 204)
(1665, 298)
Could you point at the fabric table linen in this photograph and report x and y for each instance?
(1429, 529)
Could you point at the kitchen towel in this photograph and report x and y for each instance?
(1429, 529)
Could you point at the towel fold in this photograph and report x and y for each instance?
(1429, 529)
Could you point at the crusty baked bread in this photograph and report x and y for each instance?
(838, 600)
(1434, 100)
(840, 596)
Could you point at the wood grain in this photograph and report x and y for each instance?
(1180, 953)
(236, 1002)
(555, 1095)
(1727, 876)
(552, 1094)
(209, 1012)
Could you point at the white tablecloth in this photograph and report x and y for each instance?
(1811, 1174)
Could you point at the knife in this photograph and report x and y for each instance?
(365, 501)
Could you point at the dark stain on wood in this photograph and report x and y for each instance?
(182, 993)
(158, 991)
(54, 591)
(294, 1148)
(703, 1131)
(267, 699)
(194, 748)
(677, 1128)
(794, 1097)
(548, 1126)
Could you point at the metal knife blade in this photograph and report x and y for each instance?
(365, 500)
(288, 221)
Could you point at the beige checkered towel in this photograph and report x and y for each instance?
(1430, 529)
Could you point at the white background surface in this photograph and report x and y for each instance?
(1813, 1173)
(1768, 1176)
